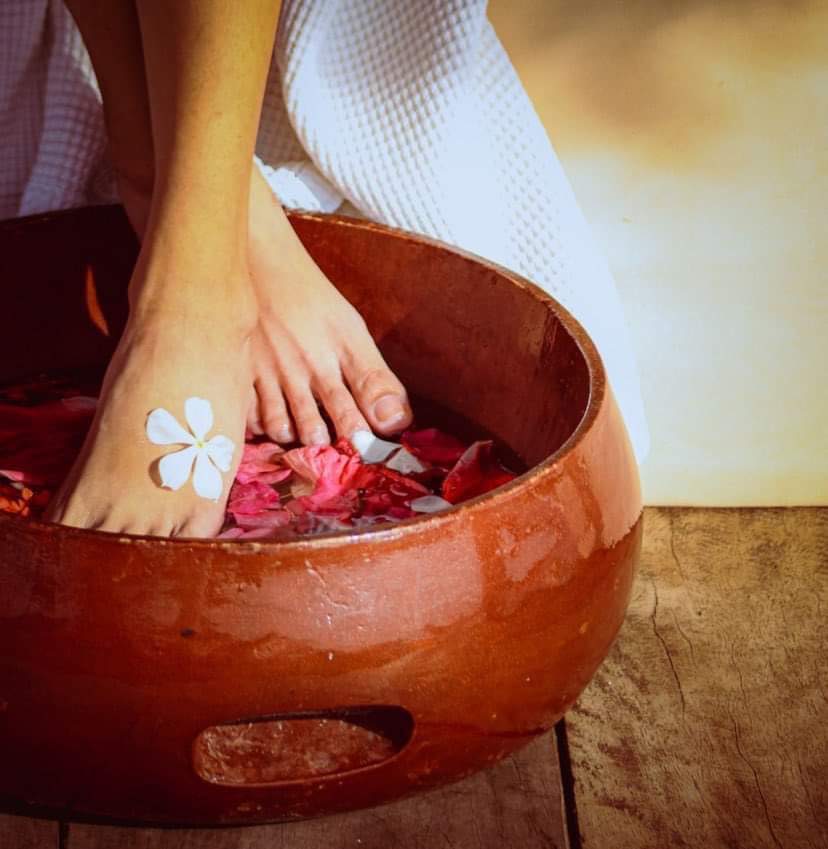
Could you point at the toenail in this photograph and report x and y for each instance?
(389, 409)
(318, 436)
(285, 434)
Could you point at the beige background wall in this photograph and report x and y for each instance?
(696, 136)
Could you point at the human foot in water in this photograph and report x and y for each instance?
(311, 344)
(178, 345)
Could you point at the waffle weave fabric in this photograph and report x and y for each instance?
(410, 114)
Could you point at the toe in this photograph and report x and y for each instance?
(379, 394)
(340, 406)
(200, 527)
(273, 415)
(309, 423)
(254, 424)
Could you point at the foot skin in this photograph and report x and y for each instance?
(311, 344)
(169, 353)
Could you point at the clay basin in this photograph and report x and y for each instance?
(204, 682)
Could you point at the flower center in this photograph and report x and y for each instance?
(199, 443)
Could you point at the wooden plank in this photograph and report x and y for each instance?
(517, 803)
(707, 724)
(25, 833)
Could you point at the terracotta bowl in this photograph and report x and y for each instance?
(203, 682)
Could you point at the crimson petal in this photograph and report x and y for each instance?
(476, 472)
(433, 446)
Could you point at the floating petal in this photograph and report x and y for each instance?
(371, 448)
(251, 499)
(260, 462)
(164, 429)
(430, 504)
(405, 463)
(433, 446)
(175, 468)
(476, 472)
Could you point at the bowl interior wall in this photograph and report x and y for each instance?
(457, 332)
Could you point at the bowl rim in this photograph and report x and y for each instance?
(389, 531)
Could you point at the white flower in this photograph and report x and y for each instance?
(175, 468)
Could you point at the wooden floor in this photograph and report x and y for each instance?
(706, 726)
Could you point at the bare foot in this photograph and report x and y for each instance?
(174, 348)
(311, 345)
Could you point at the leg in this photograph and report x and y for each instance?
(112, 36)
(193, 308)
(310, 343)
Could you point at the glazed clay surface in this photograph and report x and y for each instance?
(207, 682)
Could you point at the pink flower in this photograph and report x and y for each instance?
(384, 492)
(330, 472)
(330, 487)
(261, 462)
(248, 499)
(269, 519)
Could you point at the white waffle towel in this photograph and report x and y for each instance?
(410, 111)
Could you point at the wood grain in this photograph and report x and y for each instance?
(25, 833)
(517, 803)
(707, 724)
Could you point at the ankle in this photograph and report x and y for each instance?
(135, 182)
(177, 288)
(133, 172)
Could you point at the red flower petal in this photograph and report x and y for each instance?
(343, 446)
(250, 499)
(476, 472)
(271, 519)
(253, 533)
(433, 446)
(331, 473)
(385, 492)
(39, 444)
(40, 438)
(262, 462)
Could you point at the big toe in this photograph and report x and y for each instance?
(378, 393)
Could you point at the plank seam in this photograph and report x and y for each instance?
(573, 829)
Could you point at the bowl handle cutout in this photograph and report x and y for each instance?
(289, 747)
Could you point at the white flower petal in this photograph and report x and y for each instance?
(163, 429)
(175, 468)
(405, 463)
(207, 478)
(220, 450)
(430, 504)
(371, 448)
(199, 416)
